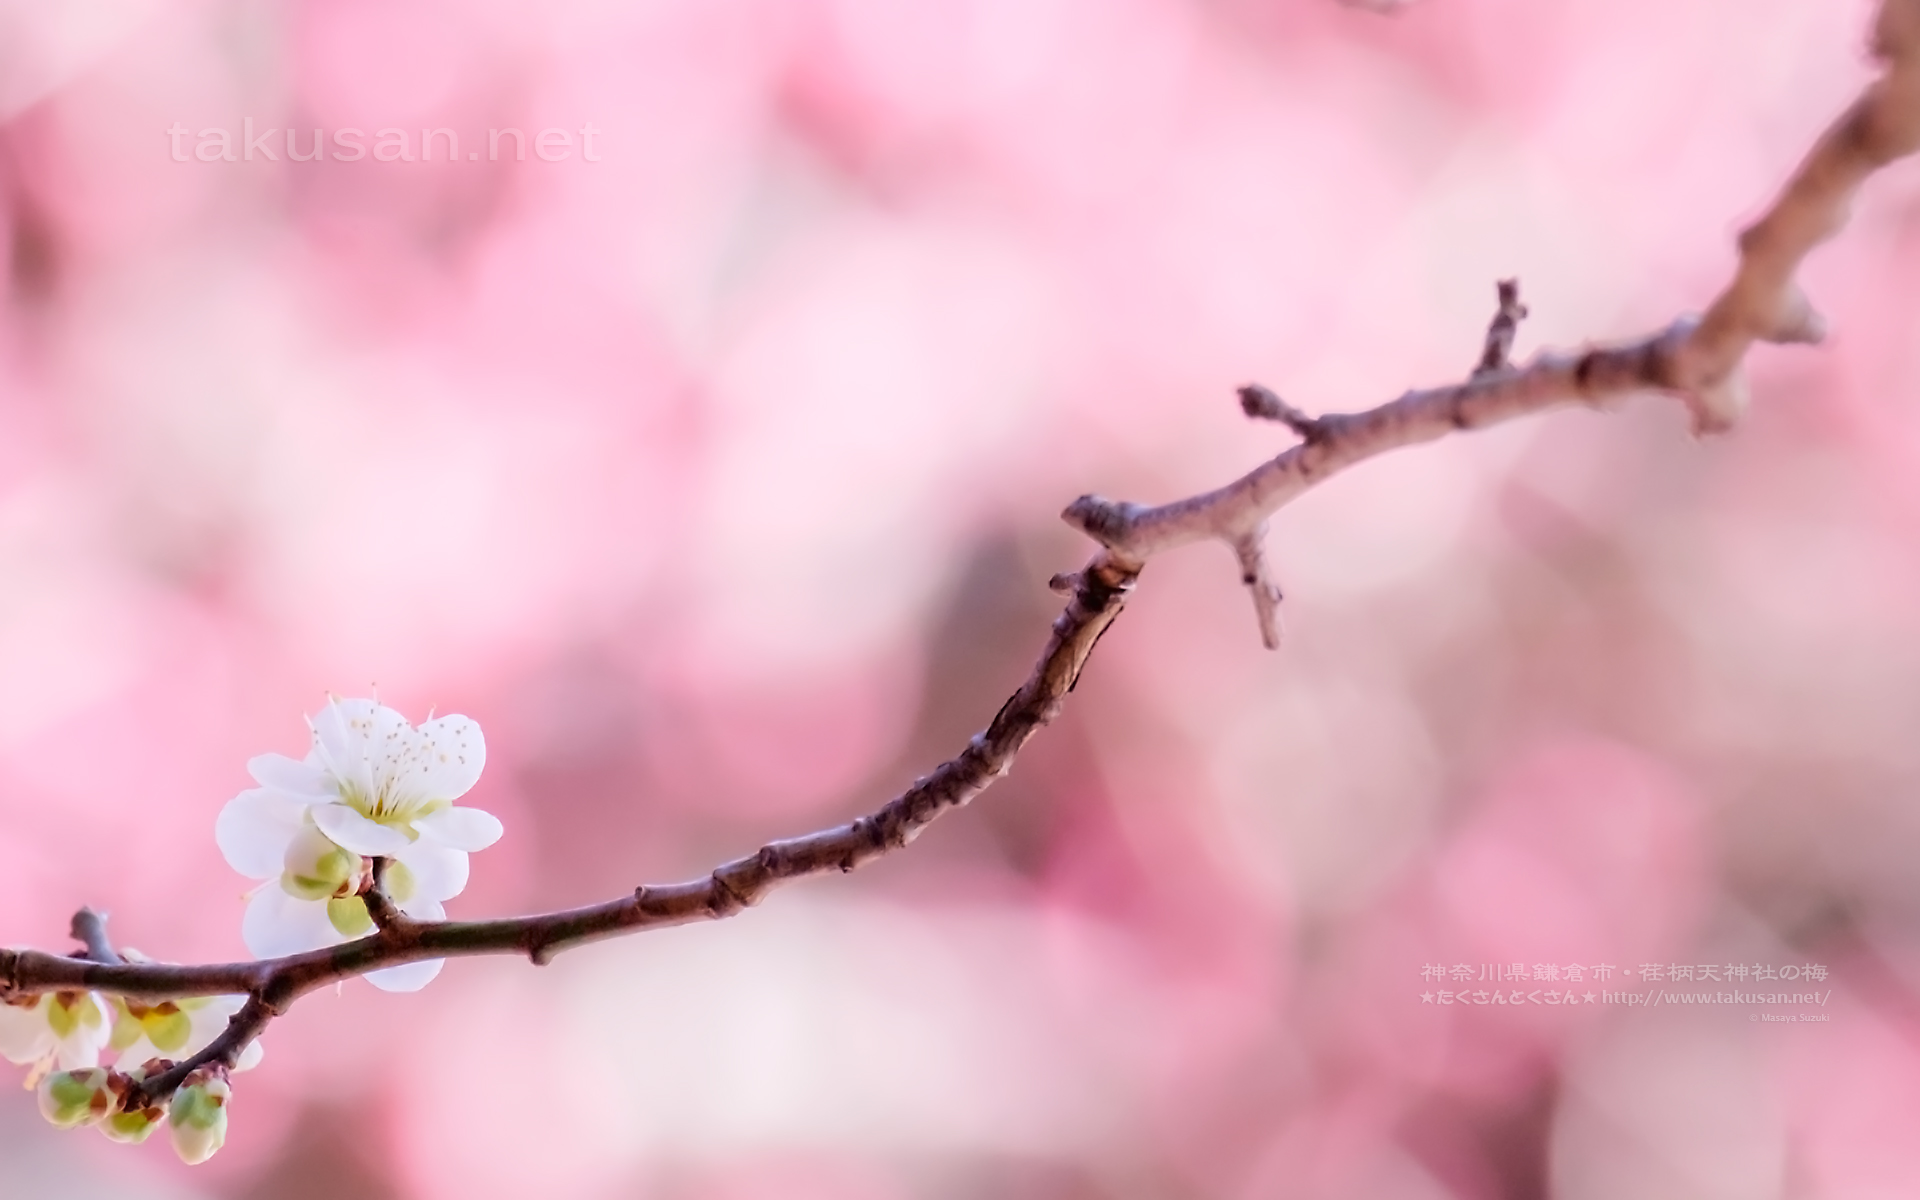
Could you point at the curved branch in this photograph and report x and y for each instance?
(272, 985)
(1133, 533)
(1696, 360)
(1763, 303)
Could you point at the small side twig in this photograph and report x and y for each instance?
(1250, 549)
(223, 1052)
(1264, 404)
(1494, 356)
(89, 928)
(381, 909)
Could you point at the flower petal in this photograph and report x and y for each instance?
(276, 924)
(351, 736)
(409, 978)
(139, 1052)
(351, 831)
(441, 760)
(209, 1022)
(466, 829)
(422, 908)
(24, 1033)
(251, 1056)
(334, 746)
(77, 1052)
(295, 778)
(92, 1027)
(254, 830)
(439, 873)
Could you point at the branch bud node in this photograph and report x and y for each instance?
(1105, 521)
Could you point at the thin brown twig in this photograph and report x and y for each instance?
(273, 984)
(1263, 403)
(1251, 550)
(1697, 360)
(1134, 533)
(223, 1053)
(381, 909)
(89, 928)
(1501, 330)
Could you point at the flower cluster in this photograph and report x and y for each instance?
(65, 1035)
(71, 1030)
(374, 795)
(196, 1113)
(372, 786)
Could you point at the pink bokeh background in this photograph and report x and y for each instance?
(716, 480)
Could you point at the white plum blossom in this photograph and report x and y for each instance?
(371, 786)
(71, 1031)
(63, 1029)
(173, 1029)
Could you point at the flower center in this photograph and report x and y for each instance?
(387, 809)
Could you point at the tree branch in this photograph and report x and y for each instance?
(1696, 360)
(1763, 303)
(1132, 533)
(272, 985)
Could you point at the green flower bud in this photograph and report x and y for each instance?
(198, 1118)
(133, 1127)
(137, 1125)
(317, 869)
(70, 1098)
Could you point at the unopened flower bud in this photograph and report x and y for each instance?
(134, 1127)
(198, 1118)
(319, 869)
(132, 1124)
(70, 1098)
